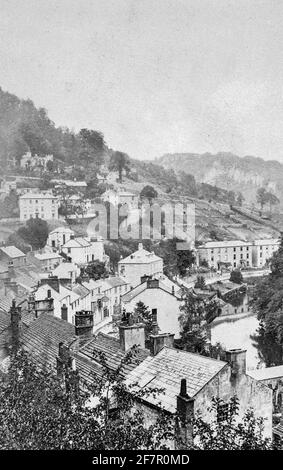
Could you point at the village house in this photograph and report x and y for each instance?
(273, 378)
(120, 197)
(237, 253)
(48, 260)
(162, 297)
(83, 250)
(41, 205)
(67, 272)
(12, 256)
(138, 264)
(188, 381)
(102, 297)
(202, 378)
(263, 251)
(227, 253)
(58, 237)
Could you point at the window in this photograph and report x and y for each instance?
(234, 249)
(69, 250)
(234, 256)
(223, 412)
(241, 248)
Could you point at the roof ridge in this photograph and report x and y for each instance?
(195, 354)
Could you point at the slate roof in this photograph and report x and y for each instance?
(167, 368)
(266, 373)
(129, 296)
(114, 281)
(110, 347)
(42, 337)
(12, 251)
(45, 256)
(140, 256)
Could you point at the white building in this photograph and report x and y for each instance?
(67, 272)
(49, 260)
(138, 264)
(120, 197)
(101, 297)
(160, 295)
(82, 250)
(263, 251)
(237, 253)
(58, 237)
(38, 205)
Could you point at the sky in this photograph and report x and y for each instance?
(155, 76)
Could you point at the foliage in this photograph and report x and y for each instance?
(264, 197)
(148, 192)
(200, 283)
(196, 313)
(236, 276)
(95, 270)
(34, 233)
(119, 162)
(10, 206)
(267, 302)
(92, 147)
(230, 434)
(144, 314)
(37, 411)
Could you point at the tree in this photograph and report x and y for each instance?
(40, 411)
(240, 199)
(272, 200)
(262, 197)
(142, 312)
(148, 192)
(43, 411)
(236, 276)
(267, 302)
(119, 162)
(34, 233)
(92, 147)
(200, 283)
(195, 315)
(95, 270)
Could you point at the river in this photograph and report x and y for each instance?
(233, 329)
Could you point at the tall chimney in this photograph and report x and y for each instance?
(159, 341)
(131, 335)
(64, 312)
(154, 324)
(84, 324)
(185, 416)
(66, 369)
(15, 313)
(237, 361)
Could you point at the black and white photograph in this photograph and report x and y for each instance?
(141, 230)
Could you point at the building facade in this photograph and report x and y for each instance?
(237, 253)
(138, 264)
(41, 205)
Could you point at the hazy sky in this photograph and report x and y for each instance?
(155, 76)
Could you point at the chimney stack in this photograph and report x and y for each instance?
(66, 369)
(131, 334)
(15, 313)
(185, 416)
(83, 324)
(64, 312)
(159, 341)
(237, 361)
